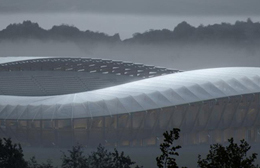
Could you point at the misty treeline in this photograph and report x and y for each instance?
(11, 156)
(232, 155)
(30, 30)
(242, 32)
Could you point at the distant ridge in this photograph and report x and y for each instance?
(30, 30)
(240, 32)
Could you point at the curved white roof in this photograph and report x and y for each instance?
(13, 59)
(58, 76)
(168, 90)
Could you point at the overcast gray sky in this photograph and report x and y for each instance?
(149, 7)
(126, 17)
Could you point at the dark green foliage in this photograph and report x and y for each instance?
(32, 163)
(120, 160)
(239, 33)
(166, 159)
(75, 159)
(231, 156)
(11, 155)
(104, 159)
(101, 158)
(244, 33)
(48, 164)
(30, 30)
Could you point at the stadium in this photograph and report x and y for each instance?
(65, 101)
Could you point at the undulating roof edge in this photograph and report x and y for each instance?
(152, 93)
(8, 59)
(66, 75)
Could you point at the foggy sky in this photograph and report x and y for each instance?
(182, 57)
(148, 7)
(127, 17)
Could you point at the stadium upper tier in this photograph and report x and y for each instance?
(152, 93)
(57, 76)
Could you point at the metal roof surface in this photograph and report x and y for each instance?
(152, 93)
(58, 76)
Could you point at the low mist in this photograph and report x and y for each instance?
(176, 56)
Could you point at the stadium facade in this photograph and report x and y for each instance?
(64, 101)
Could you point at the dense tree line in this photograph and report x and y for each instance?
(232, 155)
(11, 156)
(241, 32)
(30, 30)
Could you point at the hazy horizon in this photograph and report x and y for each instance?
(126, 25)
(126, 17)
(140, 7)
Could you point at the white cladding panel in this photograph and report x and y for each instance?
(158, 92)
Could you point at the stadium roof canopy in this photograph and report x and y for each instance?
(56, 76)
(151, 93)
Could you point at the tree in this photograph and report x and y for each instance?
(104, 159)
(231, 156)
(120, 160)
(166, 159)
(11, 155)
(32, 163)
(48, 164)
(100, 158)
(75, 159)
